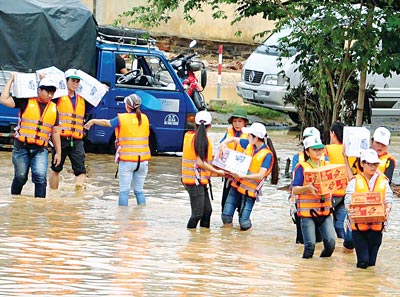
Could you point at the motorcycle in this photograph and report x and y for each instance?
(186, 65)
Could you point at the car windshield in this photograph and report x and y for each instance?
(271, 45)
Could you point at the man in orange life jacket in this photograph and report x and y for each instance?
(71, 109)
(38, 119)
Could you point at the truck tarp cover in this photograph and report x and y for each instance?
(36, 34)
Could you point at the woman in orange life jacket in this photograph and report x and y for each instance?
(245, 189)
(132, 130)
(297, 158)
(238, 120)
(314, 210)
(367, 237)
(196, 170)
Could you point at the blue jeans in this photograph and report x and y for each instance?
(129, 171)
(340, 214)
(325, 225)
(367, 245)
(35, 158)
(245, 204)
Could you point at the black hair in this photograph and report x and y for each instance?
(275, 167)
(337, 128)
(201, 142)
(48, 88)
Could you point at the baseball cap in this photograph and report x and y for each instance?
(133, 101)
(382, 135)
(313, 142)
(72, 73)
(203, 117)
(46, 83)
(238, 113)
(370, 156)
(257, 129)
(311, 131)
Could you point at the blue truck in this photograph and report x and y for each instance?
(95, 50)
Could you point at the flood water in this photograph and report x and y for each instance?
(80, 243)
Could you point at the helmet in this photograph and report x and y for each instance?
(238, 113)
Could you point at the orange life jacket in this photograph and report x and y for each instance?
(335, 155)
(71, 119)
(362, 187)
(251, 188)
(191, 173)
(34, 128)
(384, 162)
(230, 132)
(310, 205)
(132, 139)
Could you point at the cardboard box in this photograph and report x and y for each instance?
(90, 88)
(327, 179)
(233, 161)
(25, 85)
(355, 139)
(367, 213)
(366, 198)
(58, 76)
(4, 77)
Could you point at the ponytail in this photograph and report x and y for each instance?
(139, 115)
(275, 167)
(201, 142)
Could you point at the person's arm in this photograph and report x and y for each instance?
(206, 166)
(222, 146)
(5, 97)
(346, 162)
(100, 122)
(298, 187)
(55, 136)
(388, 200)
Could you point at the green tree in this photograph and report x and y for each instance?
(335, 40)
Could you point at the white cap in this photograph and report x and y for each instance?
(72, 73)
(313, 142)
(382, 135)
(370, 156)
(203, 117)
(47, 82)
(311, 131)
(257, 129)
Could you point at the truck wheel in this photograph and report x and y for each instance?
(117, 34)
(294, 117)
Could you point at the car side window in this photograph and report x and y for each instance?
(143, 72)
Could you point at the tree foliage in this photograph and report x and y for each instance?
(335, 40)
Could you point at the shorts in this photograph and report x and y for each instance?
(75, 153)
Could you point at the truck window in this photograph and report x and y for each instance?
(145, 72)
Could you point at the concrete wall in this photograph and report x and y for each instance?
(205, 28)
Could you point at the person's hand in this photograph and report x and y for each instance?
(313, 190)
(89, 124)
(387, 211)
(41, 75)
(57, 159)
(107, 88)
(221, 151)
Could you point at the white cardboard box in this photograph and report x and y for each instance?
(356, 139)
(25, 85)
(233, 161)
(90, 88)
(58, 76)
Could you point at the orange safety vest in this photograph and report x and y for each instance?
(132, 139)
(384, 162)
(71, 120)
(191, 173)
(310, 205)
(362, 187)
(34, 128)
(251, 188)
(335, 155)
(230, 132)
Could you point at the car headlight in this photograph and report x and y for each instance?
(275, 80)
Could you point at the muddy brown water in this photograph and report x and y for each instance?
(80, 243)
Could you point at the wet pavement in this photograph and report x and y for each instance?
(80, 243)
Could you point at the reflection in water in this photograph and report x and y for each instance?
(79, 242)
